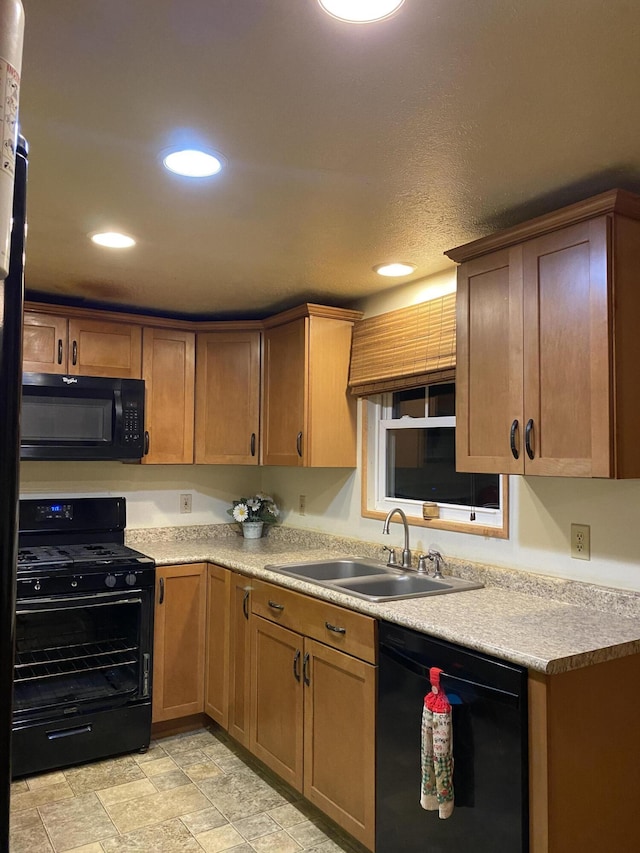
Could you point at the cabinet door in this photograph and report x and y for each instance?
(284, 391)
(240, 658)
(489, 381)
(339, 738)
(99, 348)
(44, 343)
(216, 703)
(168, 369)
(228, 398)
(567, 352)
(276, 731)
(179, 641)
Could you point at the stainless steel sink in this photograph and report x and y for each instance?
(370, 579)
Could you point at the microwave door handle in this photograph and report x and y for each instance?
(117, 406)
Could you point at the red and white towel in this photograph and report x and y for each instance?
(437, 750)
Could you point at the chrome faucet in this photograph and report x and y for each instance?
(406, 553)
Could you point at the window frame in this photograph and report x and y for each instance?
(375, 411)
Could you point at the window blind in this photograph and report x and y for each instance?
(404, 349)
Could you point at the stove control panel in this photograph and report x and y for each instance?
(76, 583)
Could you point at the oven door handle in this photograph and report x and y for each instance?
(74, 604)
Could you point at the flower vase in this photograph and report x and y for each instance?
(252, 529)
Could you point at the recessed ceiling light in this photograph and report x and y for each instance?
(113, 240)
(192, 163)
(395, 270)
(360, 11)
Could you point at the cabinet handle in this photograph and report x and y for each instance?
(527, 438)
(161, 599)
(335, 628)
(253, 444)
(245, 604)
(296, 665)
(305, 669)
(512, 439)
(299, 443)
(146, 442)
(275, 605)
(74, 352)
(59, 350)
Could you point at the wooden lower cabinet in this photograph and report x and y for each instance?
(239, 657)
(313, 708)
(179, 641)
(216, 700)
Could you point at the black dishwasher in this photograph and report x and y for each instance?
(489, 724)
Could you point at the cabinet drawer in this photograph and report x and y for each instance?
(330, 624)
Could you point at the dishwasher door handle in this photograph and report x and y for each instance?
(423, 671)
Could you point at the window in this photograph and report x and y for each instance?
(410, 460)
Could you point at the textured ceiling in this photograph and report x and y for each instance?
(346, 145)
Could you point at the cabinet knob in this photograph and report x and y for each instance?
(512, 439)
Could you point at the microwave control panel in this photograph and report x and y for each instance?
(132, 428)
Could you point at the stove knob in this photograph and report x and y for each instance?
(110, 581)
(130, 579)
(74, 583)
(36, 586)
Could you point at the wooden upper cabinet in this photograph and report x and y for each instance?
(81, 347)
(228, 397)
(547, 351)
(168, 369)
(309, 417)
(44, 343)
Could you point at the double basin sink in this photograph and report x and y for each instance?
(371, 579)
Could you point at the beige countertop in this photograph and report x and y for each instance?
(546, 624)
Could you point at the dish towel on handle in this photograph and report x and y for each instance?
(437, 750)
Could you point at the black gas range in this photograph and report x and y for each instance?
(84, 635)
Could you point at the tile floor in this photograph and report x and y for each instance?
(189, 793)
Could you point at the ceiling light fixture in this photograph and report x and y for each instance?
(360, 11)
(113, 240)
(395, 270)
(192, 163)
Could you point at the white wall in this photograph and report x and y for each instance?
(542, 508)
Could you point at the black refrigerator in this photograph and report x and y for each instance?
(11, 310)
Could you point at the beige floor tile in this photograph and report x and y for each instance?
(330, 846)
(276, 842)
(49, 794)
(103, 774)
(203, 770)
(35, 782)
(161, 765)
(291, 814)
(76, 822)
(175, 779)
(189, 756)
(256, 825)
(220, 838)
(19, 786)
(156, 808)
(154, 752)
(28, 834)
(204, 820)
(128, 791)
(168, 837)
(309, 833)
(87, 848)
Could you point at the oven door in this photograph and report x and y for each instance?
(82, 687)
(81, 651)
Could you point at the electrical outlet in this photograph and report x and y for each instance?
(185, 503)
(302, 505)
(581, 541)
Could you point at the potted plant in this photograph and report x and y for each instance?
(253, 513)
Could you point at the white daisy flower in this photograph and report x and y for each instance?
(240, 512)
(254, 503)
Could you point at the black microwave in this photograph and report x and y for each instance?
(81, 417)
